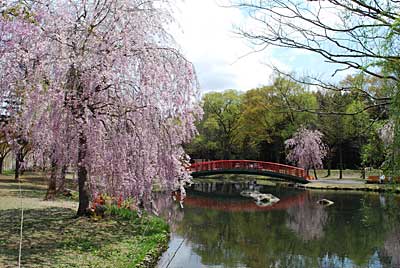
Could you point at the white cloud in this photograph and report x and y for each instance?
(207, 39)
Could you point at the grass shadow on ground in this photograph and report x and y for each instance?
(52, 237)
(24, 187)
(40, 234)
(32, 186)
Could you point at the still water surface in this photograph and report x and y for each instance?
(219, 228)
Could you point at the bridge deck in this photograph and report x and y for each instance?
(270, 169)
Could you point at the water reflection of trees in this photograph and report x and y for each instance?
(307, 220)
(303, 236)
(223, 188)
(166, 207)
(251, 241)
(391, 248)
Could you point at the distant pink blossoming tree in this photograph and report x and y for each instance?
(306, 149)
(386, 133)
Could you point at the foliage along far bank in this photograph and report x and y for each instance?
(255, 124)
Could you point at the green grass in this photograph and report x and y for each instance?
(353, 174)
(393, 188)
(8, 172)
(53, 237)
(347, 174)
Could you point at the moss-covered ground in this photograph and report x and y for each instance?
(53, 237)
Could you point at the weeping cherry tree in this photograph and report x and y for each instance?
(103, 89)
(306, 149)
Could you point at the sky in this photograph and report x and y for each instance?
(223, 60)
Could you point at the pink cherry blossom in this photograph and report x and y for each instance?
(100, 86)
(306, 149)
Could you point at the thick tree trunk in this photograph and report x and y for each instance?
(315, 173)
(16, 169)
(83, 208)
(18, 160)
(76, 95)
(52, 186)
(1, 164)
(61, 188)
(329, 167)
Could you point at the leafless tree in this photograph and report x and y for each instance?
(350, 34)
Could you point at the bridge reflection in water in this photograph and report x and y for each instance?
(197, 197)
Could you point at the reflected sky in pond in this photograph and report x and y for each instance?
(220, 228)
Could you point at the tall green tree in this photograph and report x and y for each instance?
(219, 127)
(271, 114)
(331, 125)
(373, 151)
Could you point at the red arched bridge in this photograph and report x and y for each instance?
(269, 169)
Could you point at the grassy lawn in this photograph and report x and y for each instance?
(352, 174)
(395, 188)
(52, 237)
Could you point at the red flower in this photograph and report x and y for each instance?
(120, 201)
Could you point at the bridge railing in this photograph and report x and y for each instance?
(248, 165)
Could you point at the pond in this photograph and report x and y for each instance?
(220, 228)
